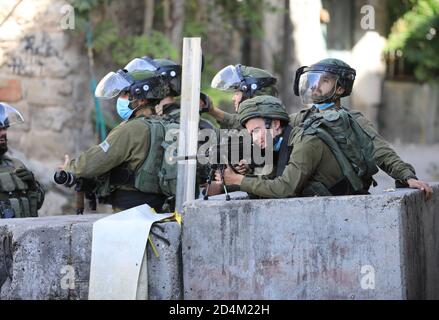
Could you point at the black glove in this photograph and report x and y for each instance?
(205, 103)
(25, 175)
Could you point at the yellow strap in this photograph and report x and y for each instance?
(176, 217)
(154, 249)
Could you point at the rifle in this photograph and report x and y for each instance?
(218, 160)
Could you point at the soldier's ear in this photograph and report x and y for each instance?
(340, 90)
(276, 124)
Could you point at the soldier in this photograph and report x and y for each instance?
(168, 108)
(245, 82)
(323, 84)
(128, 164)
(304, 164)
(21, 194)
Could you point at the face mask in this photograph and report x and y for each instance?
(123, 108)
(324, 106)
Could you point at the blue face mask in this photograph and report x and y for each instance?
(123, 108)
(324, 106)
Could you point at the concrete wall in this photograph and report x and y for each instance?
(49, 258)
(382, 246)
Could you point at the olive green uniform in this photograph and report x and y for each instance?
(127, 147)
(24, 198)
(385, 157)
(230, 121)
(172, 112)
(127, 144)
(311, 162)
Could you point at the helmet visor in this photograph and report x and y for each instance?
(140, 64)
(111, 86)
(9, 116)
(227, 79)
(316, 87)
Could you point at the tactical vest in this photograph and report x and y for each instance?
(349, 143)
(158, 174)
(16, 200)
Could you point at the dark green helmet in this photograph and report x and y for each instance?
(335, 67)
(172, 74)
(139, 84)
(251, 81)
(170, 70)
(267, 107)
(148, 86)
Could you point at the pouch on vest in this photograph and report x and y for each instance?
(157, 174)
(9, 182)
(34, 198)
(6, 210)
(351, 146)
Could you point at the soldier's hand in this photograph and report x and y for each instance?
(230, 177)
(242, 167)
(205, 103)
(65, 164)
(215, 188)
(25, 175)
(421, 185)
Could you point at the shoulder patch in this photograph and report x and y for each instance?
(104, 146)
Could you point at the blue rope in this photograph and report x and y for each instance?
(100, 120)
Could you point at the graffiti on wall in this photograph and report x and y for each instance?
(32, 53)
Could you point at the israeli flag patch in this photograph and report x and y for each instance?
(104, 146)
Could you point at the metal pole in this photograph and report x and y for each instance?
(189, 117)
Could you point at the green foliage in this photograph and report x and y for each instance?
(396, 9)
(106, 36)
(416, 35)
(156, 44)
(245, 16)
(195, 24)
(85, 6)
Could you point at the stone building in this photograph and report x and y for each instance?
(44, 74)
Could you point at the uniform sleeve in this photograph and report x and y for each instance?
(385, 157)
(120, 144)
(230, 121)
(304, 160)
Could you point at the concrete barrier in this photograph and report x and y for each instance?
(49, 258)
(382, 246)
